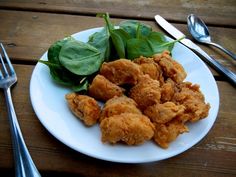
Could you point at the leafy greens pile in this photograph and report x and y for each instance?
(74, 64)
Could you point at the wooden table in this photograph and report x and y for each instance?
(29, 27)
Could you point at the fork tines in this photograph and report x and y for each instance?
(4, 71)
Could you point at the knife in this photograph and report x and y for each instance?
(187, 42)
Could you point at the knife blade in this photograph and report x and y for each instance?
(187, 42)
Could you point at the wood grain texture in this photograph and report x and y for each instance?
(29, 27)
(27, 35)
(213, 156)
(215, 12)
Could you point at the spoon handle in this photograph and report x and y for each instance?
(224, 49)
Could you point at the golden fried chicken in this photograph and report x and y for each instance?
(84, 107)
(102, 89)
(191, 97)
(119, 105)
(121, 99)
(166, 133)
(163, 113)
(150, 67)
(167, 90)
(171, 68)
(132, 129)
(121, 71)
(146, 92)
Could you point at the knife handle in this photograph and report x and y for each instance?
(218, 66)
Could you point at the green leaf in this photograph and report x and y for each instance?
(138, 47)
(61, 75)
(119, 38)
(74, 64)
(58, 72)
(106, 17)
(80, 58)
(55, 48)
(156, 38)
(159, 43)
(133, 26)
(82, 86)
(101, 41)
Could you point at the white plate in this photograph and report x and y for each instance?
(51, 108)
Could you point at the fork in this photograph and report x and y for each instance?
(24, 165)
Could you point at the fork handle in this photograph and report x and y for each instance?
(24, 165)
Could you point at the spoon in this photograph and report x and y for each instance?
(200, 32)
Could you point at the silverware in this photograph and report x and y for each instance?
(200, 33)
(178, 34)
(24, 165)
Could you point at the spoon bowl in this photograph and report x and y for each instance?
(200, 33)
(198, 29)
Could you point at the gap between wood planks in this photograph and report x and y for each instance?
(93, 14)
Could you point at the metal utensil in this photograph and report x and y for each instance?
(178, 34)
(24, 164)
(200, 33)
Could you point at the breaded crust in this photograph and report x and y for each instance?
(102, 89)
(192, 98)
(150, 67)
(146, 92)
(119, 105)
(163, 113)
(166, 133)
(121, 72)
(84, 107)
(132, 129)
(170, 67)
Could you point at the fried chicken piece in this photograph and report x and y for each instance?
(132, 129)
(103, 89)
(167, 90)
(166, 133)
(192, 98)
(170, 67)
(163, 113)
(150, 67)
(121, 71)
(121, 99)
(146, 92)
(84, 107)
(119, 105)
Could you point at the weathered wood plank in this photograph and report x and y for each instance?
(27, 35)
(213, 156)
(215, 12)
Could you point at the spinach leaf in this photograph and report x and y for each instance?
(117, 35)
(106, 17)
(74, 64)
(82, 87)
(156, 38)
(101, 41)
(54, 50)
(80, 58)
(57, 71)
(148, 46)
(119, 38)
(159, 43)
(131, 27)
(138, 47)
